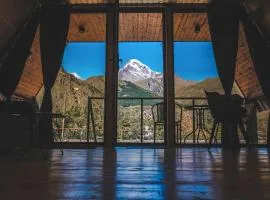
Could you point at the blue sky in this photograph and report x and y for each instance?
(149, 53)
(193, 60)
(85, 58)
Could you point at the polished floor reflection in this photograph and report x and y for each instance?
(138, 173)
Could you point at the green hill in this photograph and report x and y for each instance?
(70, 93)
(127, 89)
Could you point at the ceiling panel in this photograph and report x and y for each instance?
(191, 27)
(87, 27)
(31, 80)
(140, 27)
(245, 74)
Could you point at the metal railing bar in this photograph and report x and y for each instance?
(142, 120)
(150, 98)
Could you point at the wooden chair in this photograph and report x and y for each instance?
(225, 109)
(158, 118)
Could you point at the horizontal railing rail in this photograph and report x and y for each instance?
(143, 132)
(141, 102)
(139, 130)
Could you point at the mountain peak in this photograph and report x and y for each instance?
(134, 70)
(137, 64)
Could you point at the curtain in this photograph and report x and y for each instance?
(223, 18)
(260, 52)
(268, 130)
(12, 68)
(224, 28)
(53, 34)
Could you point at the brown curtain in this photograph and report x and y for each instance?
(53, 34)
(223, 20)
(12, 68)
(260, 52)
(224, 27)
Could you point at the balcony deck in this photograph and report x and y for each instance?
(138, 173)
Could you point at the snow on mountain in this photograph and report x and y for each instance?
(76, 75)
(135, 71)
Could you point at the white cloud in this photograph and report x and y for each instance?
(76, 75)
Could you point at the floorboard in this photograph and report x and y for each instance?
(138, 173)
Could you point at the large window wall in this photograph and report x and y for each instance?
(139, 50)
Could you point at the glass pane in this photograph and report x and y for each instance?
(140, 79)
(78, 92)
(195, 71)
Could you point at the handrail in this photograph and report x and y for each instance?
(141, 101)
(150, 98)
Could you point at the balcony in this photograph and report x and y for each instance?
(136, 122)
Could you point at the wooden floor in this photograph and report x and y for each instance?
(138, 173)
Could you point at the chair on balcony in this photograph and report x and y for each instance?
(225, 109)
(158, 118)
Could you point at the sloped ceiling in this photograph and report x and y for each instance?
(31, 80)
(12, 16)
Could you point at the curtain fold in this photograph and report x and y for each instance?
(223, 18)
(12, 68)
(53, 34)
(260, 52)
(224, 28)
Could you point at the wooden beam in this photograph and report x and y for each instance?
(110, 117)
(169, 78)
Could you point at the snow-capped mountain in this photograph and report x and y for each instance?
(135, 71)
(141, 75)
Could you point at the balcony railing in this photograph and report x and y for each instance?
(136, 123)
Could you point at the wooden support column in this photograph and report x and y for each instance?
(110, 117)
(169, 77)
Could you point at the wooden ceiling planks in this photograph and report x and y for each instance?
(245, 74)
(184, 27)
(140, 27)
(94, 26)
(31, 80)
